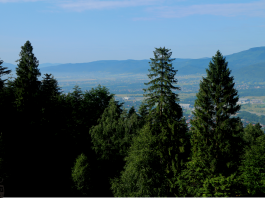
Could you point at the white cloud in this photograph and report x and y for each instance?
(254, 9)
(81, 5)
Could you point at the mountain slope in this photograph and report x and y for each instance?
(244, 65)
(251, 73)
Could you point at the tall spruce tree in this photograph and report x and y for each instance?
(26, 88)
(160, 89)
(169, 126)
(166, 127)
(217, 146)
(27, 83)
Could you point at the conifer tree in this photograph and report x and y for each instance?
(50, 87)
(143, 112)
(166, 118)
(3, 72)
(217, 146)
(27, 83)
(27, 103)
(160, 89)
(49, 93)
(131, 111)
(167, 133)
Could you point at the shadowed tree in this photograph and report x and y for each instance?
(3, 72)
(77, 113)
(111, 139)
(5, 110)
(26, 101)
(7, 136)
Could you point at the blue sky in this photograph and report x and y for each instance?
(77, 31)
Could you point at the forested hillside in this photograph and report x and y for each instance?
(87, 144)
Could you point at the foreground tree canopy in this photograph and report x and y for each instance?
(87, 144)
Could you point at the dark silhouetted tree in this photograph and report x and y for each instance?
(27, 103)
(3, 72)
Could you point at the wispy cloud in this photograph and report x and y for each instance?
(254, 9)
(81, 5)
(15, 1)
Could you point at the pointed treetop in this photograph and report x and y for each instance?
(2, 72)
(26, 53)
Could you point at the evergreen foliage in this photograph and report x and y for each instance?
(50, 87)
(252, 167)
(143, 175)
(106, 136)
(217, 144)
(4, 111)
(253, 171)
(7, 135)
(168, 130)
(28, 115)
(49, 91)
(81, 174)
(3, 72)
(27, 84)
(111, 139)
(143, 113)
(160, 89)
(131, 111)
(166, 120)
(98, 98)
(251, 133)
(124, 154)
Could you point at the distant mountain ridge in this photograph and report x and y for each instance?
(247, 64)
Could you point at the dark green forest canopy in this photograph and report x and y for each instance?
(79, 138)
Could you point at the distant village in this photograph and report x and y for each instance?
(191, 108)
(252, 101)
